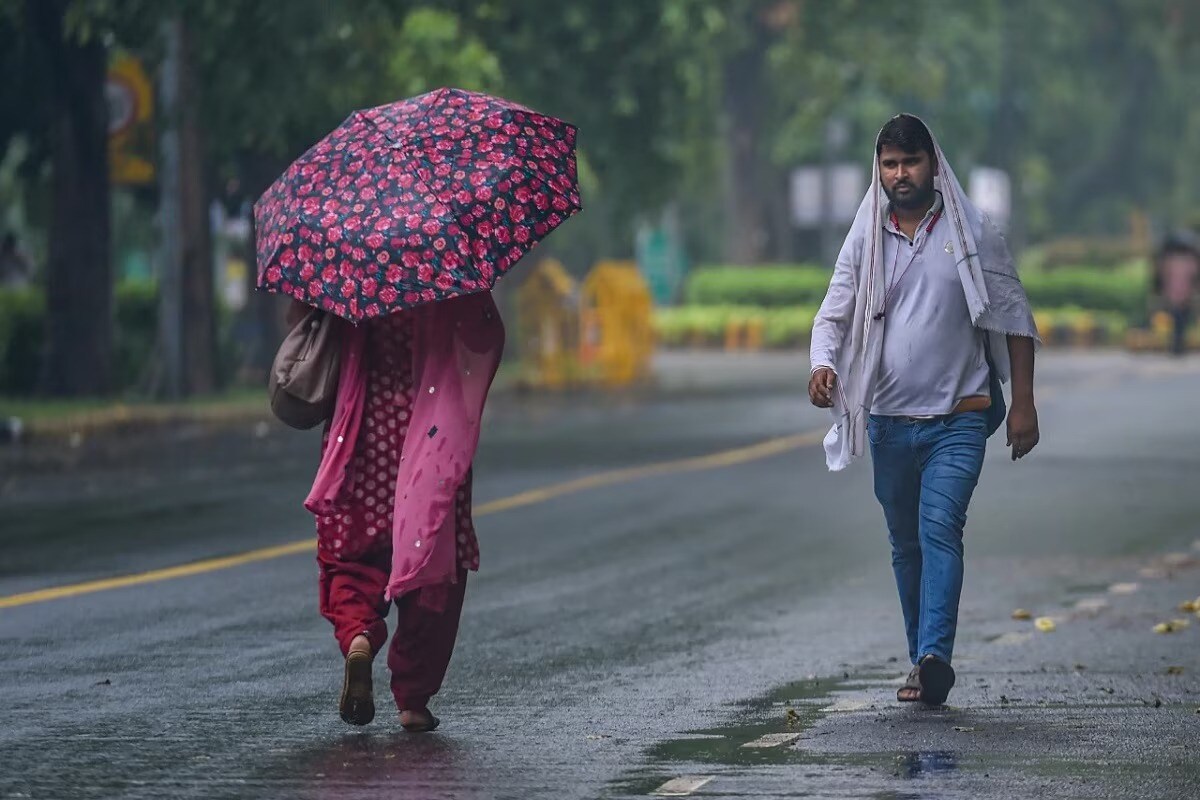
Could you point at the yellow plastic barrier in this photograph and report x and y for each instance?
(616, 333)
(744, 334)
(548, 327)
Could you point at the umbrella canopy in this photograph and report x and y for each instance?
(414, 202)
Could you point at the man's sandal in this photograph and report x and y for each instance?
(910, 692)
(936, 678)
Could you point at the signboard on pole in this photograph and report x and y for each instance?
(815, 204)
(130, 98)
(991, 192)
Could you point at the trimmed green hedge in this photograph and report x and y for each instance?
(23, 334)
(136, 334)
(765, 287)
(706, 326)
(22, 330)
(1095, 289)
(1122, 291)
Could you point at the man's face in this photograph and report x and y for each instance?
(907, 178)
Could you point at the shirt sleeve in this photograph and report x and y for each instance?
(832, 323)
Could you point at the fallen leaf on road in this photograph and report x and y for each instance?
(1123, 588)
(1188, 607)
(1181, 623)
(1164, 627)
(1021, 613)
(105, 682)
(1174, 670)
(1045, 625)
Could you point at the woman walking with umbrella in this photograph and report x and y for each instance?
(400, 222)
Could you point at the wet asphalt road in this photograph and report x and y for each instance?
(622, 636)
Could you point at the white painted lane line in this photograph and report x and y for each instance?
(1091, 605)
(846, 706)
(682, 787)
(773, 740)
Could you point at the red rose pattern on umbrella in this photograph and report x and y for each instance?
(415, 202)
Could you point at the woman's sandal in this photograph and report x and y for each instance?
(357, 706)
(936, 678)
(427, 725)
(910, 692)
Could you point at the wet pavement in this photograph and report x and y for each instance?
(637, 630)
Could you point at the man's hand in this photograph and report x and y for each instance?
(820, 387)
(1023, 433)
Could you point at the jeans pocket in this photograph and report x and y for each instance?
(966, 421)
(877, 428)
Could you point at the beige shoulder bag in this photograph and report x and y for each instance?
(304, 377)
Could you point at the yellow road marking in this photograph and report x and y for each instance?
(728, 458)
(182, 571)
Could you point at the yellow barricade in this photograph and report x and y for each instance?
(548, 327)
(744, 334)
(616, 332)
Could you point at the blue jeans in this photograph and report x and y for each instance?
(925, 473)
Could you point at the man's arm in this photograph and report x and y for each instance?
(830, 327)
(1023, 433)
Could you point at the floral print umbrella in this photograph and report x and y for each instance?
(414, 202)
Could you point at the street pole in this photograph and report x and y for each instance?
(170, 278)
(834, 138)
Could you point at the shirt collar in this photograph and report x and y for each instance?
(934, 210)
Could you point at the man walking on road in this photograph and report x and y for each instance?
(924, 318)
(1178, 265)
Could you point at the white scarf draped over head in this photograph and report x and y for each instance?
(995, 299)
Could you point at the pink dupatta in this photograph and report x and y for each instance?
(457, 345)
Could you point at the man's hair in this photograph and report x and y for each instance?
(907, 133)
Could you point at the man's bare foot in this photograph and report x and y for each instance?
(357, 704)
(418, 721)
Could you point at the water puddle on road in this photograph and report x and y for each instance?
(763, 747)
(846, 737)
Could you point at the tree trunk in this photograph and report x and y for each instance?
(747, 225)
(199, 302)
(79, 292)
(263, 316)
